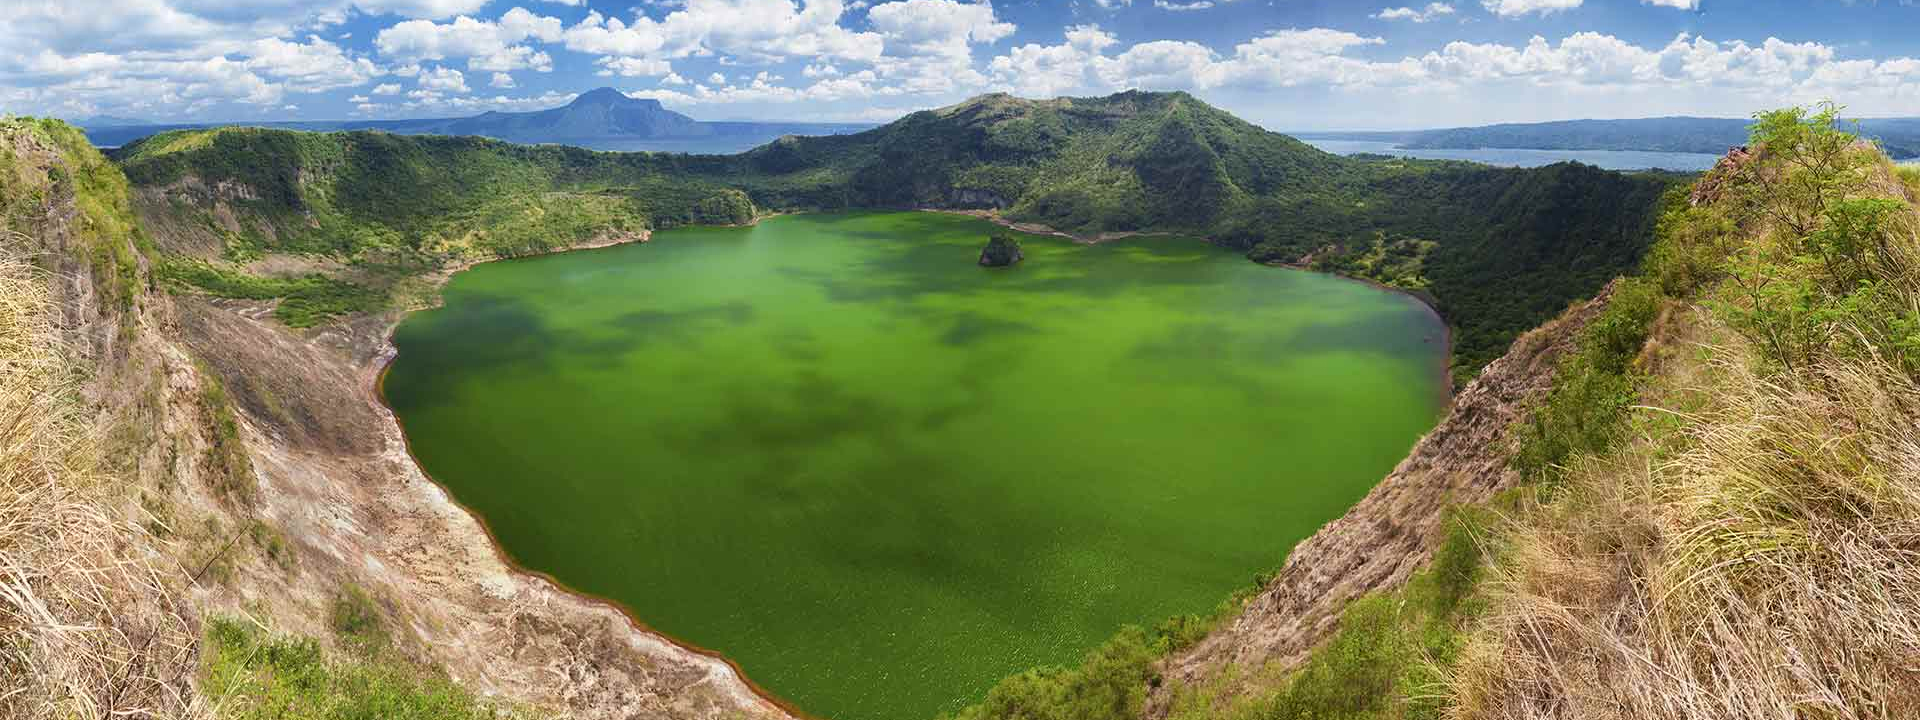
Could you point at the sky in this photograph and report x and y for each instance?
(1286, 64)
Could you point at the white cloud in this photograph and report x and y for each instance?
(386, 89)
(1679, 4)
(1688, 74)
(502, 80)
(936, 27)
(418, 8)
(928, 44)
(1183, 6)
(487, 45)
(717, 79)
(359, 99)
(1162, 65)
(428, 102)
(442, 79)
(1430, 12)
(315, 66)
(754, 29)
(258, 73)
(633, 67)
(761, 89)
(1514, 8)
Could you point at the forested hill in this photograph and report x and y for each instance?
(1497, 250)
(1899, 137)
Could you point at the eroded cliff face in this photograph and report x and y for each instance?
(258, 468)
(1391, 533)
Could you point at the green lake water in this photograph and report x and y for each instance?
(879, 477)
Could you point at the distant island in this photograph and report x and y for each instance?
(1900, 137)
(602, 119)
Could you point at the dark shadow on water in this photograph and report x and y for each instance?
(1392, 332)
(657, 322)
(969, 328)
(476, 335)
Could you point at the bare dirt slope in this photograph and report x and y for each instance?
(1392, 532)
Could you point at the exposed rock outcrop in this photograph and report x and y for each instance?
(974, 199)
(1710, 187)
(1391, 533)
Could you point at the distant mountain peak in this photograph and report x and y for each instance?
(609, 97)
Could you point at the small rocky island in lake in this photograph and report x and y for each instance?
(1001, 251)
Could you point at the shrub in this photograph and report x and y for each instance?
(304, 301)
(356, 619)
(1593, 387)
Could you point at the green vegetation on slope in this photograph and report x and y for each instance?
(108, 234)
(1112, 682)
(304, 301)
(258, 675)
(1382, 662)
(1497, 250)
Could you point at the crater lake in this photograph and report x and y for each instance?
(879, 477)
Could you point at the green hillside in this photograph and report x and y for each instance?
(1499, 250)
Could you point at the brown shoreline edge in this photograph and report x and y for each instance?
(389, 354)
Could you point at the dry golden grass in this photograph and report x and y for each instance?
(1909, 175)
(1754, 553)
(1770, 568)
(87, 627)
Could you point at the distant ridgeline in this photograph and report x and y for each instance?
(1496, 250)
(603, 119)
(1899, 137)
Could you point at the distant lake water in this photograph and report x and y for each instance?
(1513, 157)
(880, 477)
